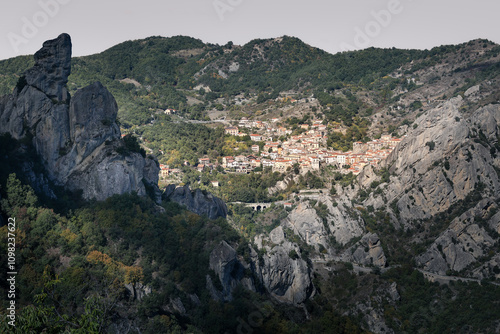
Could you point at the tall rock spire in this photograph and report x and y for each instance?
(52, 68)
(78, 141)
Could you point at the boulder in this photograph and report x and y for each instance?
(366, 252)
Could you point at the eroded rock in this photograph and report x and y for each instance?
(77, 140)
(197, 201)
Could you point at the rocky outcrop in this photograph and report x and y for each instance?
(304, 221)
(440, 162)
(230, 271)
(52, 68)
(284, 274)
(467, 239)
(343, 225)
(448, 163)
(77, 139)
(366, 252)
(315, 231)
(138, 291)
(197, 201)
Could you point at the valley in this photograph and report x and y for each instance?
(171, 185)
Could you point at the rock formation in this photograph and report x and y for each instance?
(445, 158)
(230, 271)
(448, 162)
(77, 138)
(464, 242)
(52, 68)
(367, 252)
(197, 201)
(282, 271)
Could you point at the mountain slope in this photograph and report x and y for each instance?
(164, 70)
(339, 253)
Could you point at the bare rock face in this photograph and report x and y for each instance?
(305, 222)
(52, 68)
(342, 225)
(77, 139)
(197, 201)
(442, 161)
(366, 252)
(464, 242)
(448, 164)
(230, 271)
(92, 115)
(281, 271)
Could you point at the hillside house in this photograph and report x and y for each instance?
(314, 163)
(240, 158)
(255, 137)
(232, 130)
(281, 165)
(330, 159)
(226, 160)
(204, 161)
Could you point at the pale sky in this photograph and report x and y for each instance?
(332, 25)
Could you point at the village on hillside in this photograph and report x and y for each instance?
(308, 151)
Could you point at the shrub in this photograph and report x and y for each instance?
(131, 145)
(431, 145)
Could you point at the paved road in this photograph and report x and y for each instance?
(203, 122)
(433, 277)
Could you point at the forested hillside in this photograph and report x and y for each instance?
(382, 217)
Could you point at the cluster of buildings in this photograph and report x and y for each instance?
(308, 150)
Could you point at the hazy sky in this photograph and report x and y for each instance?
(332, 25)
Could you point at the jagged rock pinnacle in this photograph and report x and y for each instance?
(52, 68)
(78, 141)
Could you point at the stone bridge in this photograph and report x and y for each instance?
(254, 206)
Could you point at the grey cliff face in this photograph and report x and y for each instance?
(78, 138)
(92, 115)
(447, 163)
(464, 242)
(281, 271)
(197, 201)
(230, 271)
(368, 251)
(52, 68)
(450, 170)
(305, 222)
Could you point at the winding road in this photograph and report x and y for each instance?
(432, 277)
